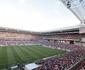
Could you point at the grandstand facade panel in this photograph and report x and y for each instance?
(15, 37)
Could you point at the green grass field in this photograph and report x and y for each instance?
(10, 56)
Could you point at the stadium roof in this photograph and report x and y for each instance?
(77, 7)
(72, 29)
(67, 30)
(6, 29)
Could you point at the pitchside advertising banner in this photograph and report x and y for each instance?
(82, 30)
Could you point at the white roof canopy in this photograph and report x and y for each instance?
(77, 7)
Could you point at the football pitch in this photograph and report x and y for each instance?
(12, 55)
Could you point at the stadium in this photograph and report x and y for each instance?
(62, 49)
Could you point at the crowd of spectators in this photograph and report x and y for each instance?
(50, 44)
(59, 45)
(62, 62)
(11, 42)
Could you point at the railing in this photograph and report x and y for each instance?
(76, 65)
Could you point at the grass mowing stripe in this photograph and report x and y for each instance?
(41, 51)
(21, 55)
(0, 54)
(44, 50)
(49, 51)
(11, 58)
(4, 58)
(33, 50)
(28, 55)
(1, 58)
(40, 54)
(17, 57)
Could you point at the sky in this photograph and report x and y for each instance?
(35, 15)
